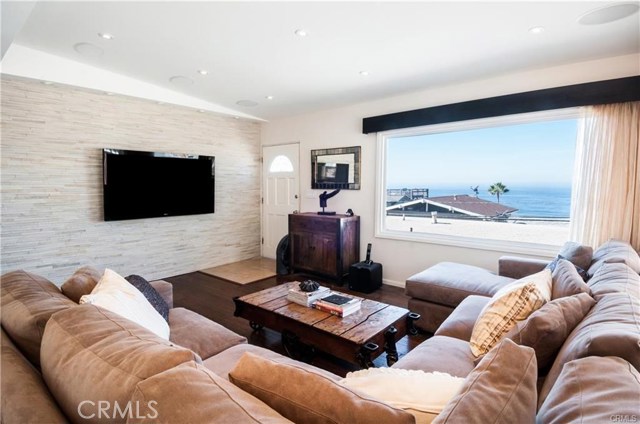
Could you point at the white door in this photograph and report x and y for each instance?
(280, 193)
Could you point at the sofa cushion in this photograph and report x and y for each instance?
(189, 393)
(25, 397)
(578, 254)
(82, 282)
(439, 353)
(28, 301)
(611, 328)
(449, 283)
(116, 294)
(225, 361)
(615, 251)
(509, 305)
(461, 321)
(150, 293)
(547, 328)
(615, 278)
(305, 396)
(593, 390)
(200, 334)
(501, 389)
(566, 281)
(92, 354)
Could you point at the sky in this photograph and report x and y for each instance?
(534, 154)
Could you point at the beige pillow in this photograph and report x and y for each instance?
(303, 395)
(500, 390)
(117, 295)
(511, 304)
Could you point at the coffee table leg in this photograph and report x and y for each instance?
(295, 349)
(411, 319)
(255, 326)
(390, 345)
(364, 355)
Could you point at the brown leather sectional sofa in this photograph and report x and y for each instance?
(64, 362)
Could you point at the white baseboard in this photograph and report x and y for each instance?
(393, 283)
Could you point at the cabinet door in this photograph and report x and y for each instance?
(314, 252)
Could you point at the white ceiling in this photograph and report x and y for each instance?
(251, 51)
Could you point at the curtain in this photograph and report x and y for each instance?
(605, 200)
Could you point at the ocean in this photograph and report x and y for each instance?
(539, 202)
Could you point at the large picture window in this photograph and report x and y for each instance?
(495, 183)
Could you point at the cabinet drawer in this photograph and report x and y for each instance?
(302, 223)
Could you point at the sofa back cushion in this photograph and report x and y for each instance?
(578, 254)
(305, 395)
(615, 251)
(547, 328)
(90, 354)
(80, 283)
(25, 397)
(593, 390)
(609, 329)
(190, 393)
(615, 278)
(28, 301)
(500, 390)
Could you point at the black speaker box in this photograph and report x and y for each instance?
(365, 277)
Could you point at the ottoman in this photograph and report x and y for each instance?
(436, 291)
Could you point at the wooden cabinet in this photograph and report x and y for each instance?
(326, 245)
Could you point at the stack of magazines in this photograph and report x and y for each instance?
(307, 299)
(338, 304)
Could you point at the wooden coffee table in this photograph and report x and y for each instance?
(358, 338)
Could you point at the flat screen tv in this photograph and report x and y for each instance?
(152, 184)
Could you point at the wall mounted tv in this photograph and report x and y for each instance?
(152, 184)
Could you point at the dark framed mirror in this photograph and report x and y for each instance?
(336, 168)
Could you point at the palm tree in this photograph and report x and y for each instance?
(497, 189)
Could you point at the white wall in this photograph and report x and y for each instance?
(343, 127)
(52, 223)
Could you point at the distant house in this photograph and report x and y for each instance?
(460, 204)
(406, 195)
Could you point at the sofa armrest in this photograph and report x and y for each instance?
(517, 267)
(165, 289)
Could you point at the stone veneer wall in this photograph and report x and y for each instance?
(51, 180)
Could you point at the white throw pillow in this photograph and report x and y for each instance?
(117, 295)
(422, 394)
(511, 304)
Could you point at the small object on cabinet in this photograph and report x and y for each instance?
(323, 201)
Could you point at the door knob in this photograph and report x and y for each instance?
(295, 196)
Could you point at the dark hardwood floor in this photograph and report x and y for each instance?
(212, 298)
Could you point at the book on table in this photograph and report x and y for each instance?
(303, 298)
(338, 304)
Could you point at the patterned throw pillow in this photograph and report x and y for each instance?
(151, 294)
(511, 304)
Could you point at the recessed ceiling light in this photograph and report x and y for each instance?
(201, 110)
(181, 80)
(88, 49)
(105, 35)
(301, 33)
(608, 14)
(536, 30)
(108, 93)
(47, 82)
(364, 73)
(269, 97)
(236, 117)
(247, 103)
(203, 71)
